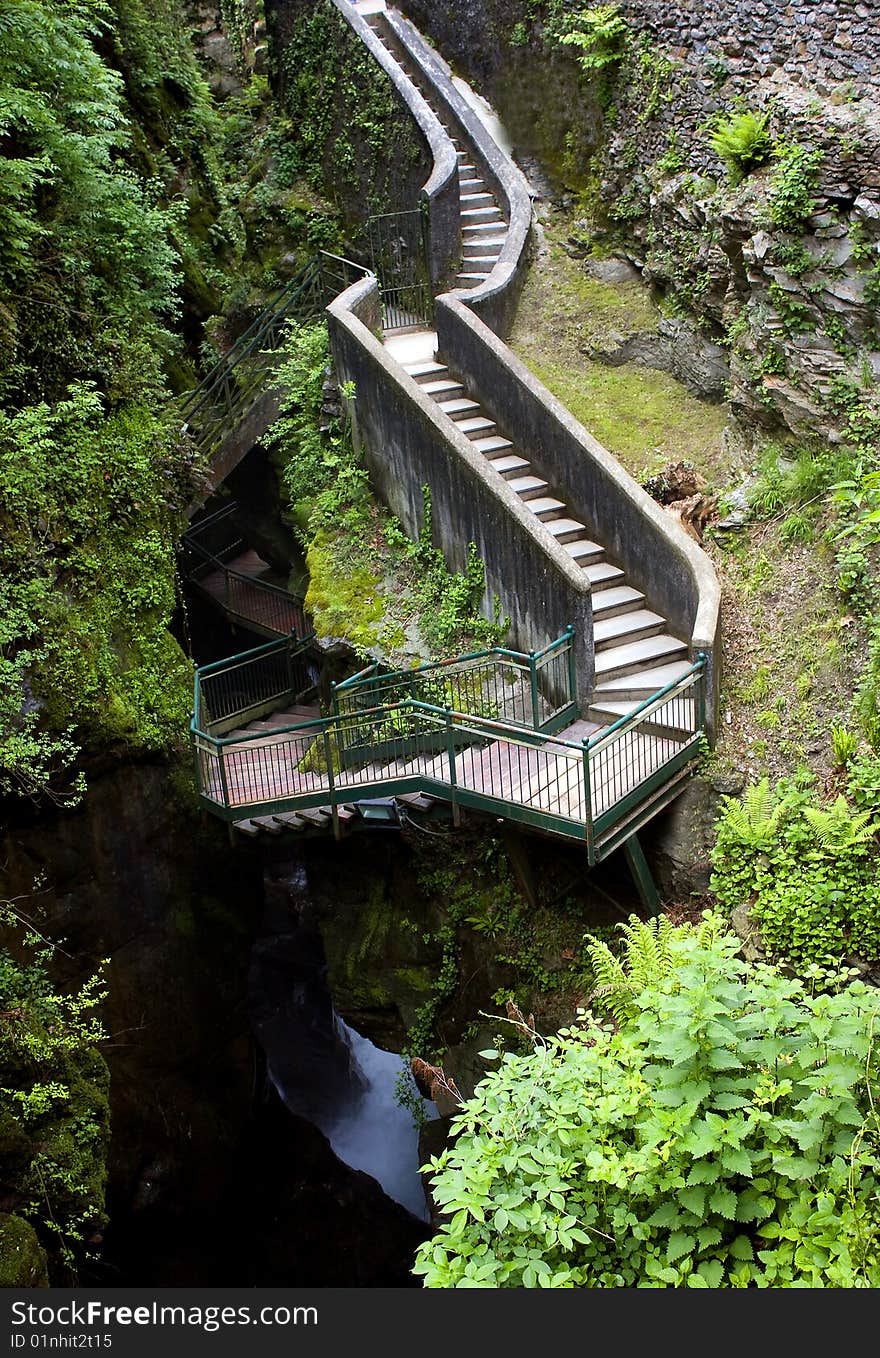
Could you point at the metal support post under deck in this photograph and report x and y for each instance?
(519, 860)
(641, 874)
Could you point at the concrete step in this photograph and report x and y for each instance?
(546, 508)
(471, 200)
(472, 216)
(583, 551)
(494, 444)
(624, 627)
(467, 185)
(603, 575)
(618, 661)
(473, 263)
(444, 386)
(470, 280)
(675, 722)
(476, 426)
(510, 466)
(463, 162)
(478, 230)
(528, 487)
(459, 405)
(423, 372)
(610, 603)
(641, 685)
(479, 246)
(565, 529)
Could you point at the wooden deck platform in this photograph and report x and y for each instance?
(548, 777)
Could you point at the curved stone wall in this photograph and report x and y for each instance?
(408, 442)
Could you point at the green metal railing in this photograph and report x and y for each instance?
(597, 791)
(228, 391)
(242, 688)
(207, 549)
(536, 690)
(398, 246)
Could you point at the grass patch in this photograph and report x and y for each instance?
(642, 416)
(791, 657)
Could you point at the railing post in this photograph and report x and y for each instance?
(572, 671)
(334, 701)
(224, 785)
(533, 675)
(197, 754)
(450, 750)
(588, 804)
(289, 663)
(701, 691)
(328, 756)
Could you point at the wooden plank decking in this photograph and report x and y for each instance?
(238, 587)
(548, 778)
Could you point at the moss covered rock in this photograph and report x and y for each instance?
(22, 1259)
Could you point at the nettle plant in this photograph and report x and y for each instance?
(723, 1135)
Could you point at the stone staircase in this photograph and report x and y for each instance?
(483, 226)
(635, 652)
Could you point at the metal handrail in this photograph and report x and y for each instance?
(210, 519)
(592, 790)
(369, 675)
(465, 721)
(221, 388)
(656, 699)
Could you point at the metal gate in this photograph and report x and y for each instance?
(399, 259)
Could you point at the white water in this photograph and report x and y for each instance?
(374, 1133)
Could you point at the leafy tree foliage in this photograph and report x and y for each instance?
(93, 477)
(54, 1114)
(82, 236)
(724, 1135)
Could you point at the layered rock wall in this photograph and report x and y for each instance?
(792, 297)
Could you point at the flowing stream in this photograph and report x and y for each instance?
(370, 1130)
(323, 1069)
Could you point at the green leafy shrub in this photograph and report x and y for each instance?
(724, 1135)
(799, 478)
(339, 524)
(808, 873)
(741, 142)
(867, 699)
(792, 185)
(54, 1110)
(600, 35)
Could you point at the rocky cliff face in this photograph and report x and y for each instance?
(211, 1180)
(782, 269)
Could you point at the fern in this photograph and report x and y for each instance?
(755, 819)
(650, 956)
(838, 828)
(741, 141)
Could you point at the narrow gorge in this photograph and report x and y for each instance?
(439, 491)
